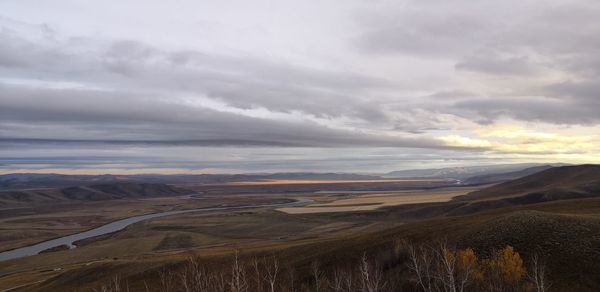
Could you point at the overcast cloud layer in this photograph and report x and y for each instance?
(255, 86)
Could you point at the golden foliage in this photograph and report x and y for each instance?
(467, 262)
(508, 265)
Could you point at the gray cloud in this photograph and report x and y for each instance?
(586, 91)
(494, 65)
(548, 110)
(128, 91)
(451, 95)
(25, 155)
(560, 38)
(422, 29)
(238, 81)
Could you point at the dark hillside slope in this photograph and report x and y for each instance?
(578, 181)
(570, 244)
(555, 184)
(502, 177)
(121, 191)
(32, 196)
(563, 233)
(17, 181)
(98, 192)
(559, 183)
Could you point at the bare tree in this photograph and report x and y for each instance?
(317, 275)
(272, 270)
(291, 277)
(256, 266)
(370, 276)
(189, 276)
(337, 281)
(537, 273)
(238, 276)
(447, 267)
(442, 268)
(167, 280)
(218, 282)
(348, 280)
(420, 262)
(114, 285)
(436, 268)
(196, 278)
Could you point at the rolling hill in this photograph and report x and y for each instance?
(462, 173)
(32, 180)
(559, 183)
(555, 183)
(505, 176)
(99, 192)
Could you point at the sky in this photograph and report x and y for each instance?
(359, 86)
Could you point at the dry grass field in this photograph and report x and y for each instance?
(312, 182)
(371, 201)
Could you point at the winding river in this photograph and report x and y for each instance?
(116, 226)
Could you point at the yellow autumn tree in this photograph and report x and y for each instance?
(467, 263)
(505, 270)
(510, 265)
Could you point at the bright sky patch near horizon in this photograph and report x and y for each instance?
(267, 86)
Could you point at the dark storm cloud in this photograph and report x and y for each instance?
(585, 91)
(113, 117)
(127, 91)
(557, 111)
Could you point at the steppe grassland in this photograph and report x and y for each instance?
(372, 201)
(310, 182)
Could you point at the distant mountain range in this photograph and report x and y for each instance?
(28, 180)
(466, 172)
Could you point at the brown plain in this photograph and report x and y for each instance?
(368, 202)
(310, 182)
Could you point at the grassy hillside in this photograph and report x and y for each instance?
(576, 181)
(559, 183)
